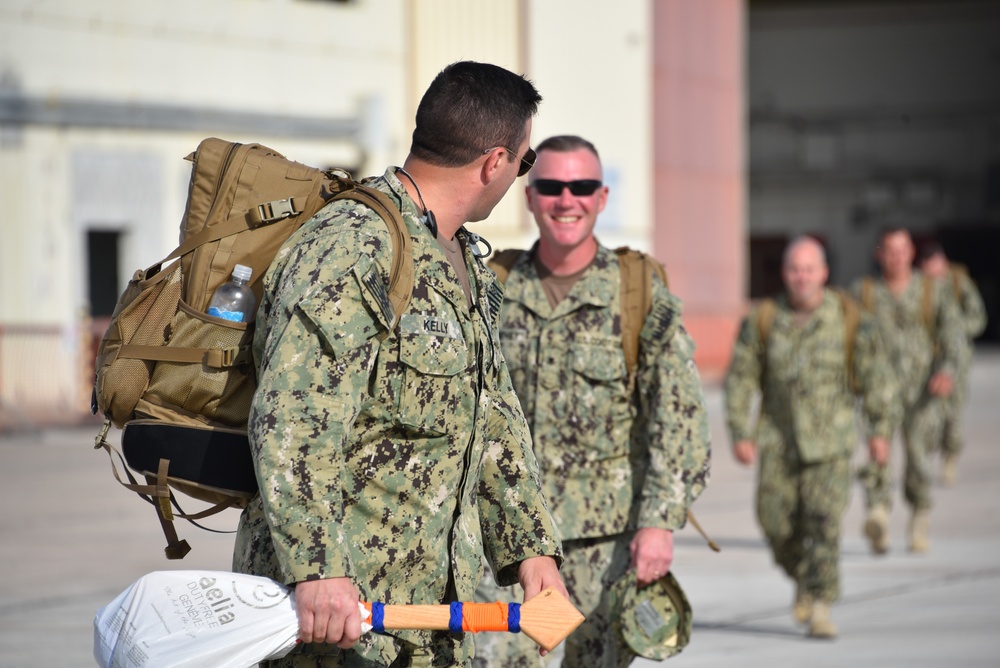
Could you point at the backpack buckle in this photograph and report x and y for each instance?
(275, 210)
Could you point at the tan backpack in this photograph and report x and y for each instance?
(178, 381)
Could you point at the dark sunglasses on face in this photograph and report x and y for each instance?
(527, 162)
(553, 188)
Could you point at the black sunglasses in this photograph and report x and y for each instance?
(527, 162)
(553, 188)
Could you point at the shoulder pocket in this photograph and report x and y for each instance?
(353, 316)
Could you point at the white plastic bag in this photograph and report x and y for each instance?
(196, 619)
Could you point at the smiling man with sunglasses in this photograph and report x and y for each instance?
(623, 453)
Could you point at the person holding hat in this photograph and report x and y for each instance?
(622, 454)
(810, 353)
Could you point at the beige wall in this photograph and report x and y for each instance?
(668, 70)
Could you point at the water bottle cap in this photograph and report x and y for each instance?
(242, 272)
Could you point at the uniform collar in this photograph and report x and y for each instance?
(596, 287)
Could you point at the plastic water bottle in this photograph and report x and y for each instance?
(234, 300)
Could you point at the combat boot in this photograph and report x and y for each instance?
(803, 606)
(820, 625)
(919, 542)
(950, 470)
(877, 528)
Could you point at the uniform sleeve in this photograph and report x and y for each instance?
(742, 382)
(672, 406)
(877, 382)
(973, 308)
(317, 346)
(513, 513)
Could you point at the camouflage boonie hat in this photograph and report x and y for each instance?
(655, 622)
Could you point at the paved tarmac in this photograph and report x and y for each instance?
(72, 540)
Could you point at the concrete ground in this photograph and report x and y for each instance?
(72, 540)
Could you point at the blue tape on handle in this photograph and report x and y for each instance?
(514, 617)
(455, 621)
(378, 617)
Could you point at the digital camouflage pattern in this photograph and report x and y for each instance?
(806, 432)
(916, 351)
(397, 458)
(972, 311)
(611, 459)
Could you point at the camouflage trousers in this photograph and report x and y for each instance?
(445, 650)
(923, 431)
(590, 567)
(800, 507)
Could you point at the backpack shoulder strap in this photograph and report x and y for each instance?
(765, 318)
(852, 320)
(401, 271)
(636, 270)
(927, 305)
(502, 261)
(868, 294)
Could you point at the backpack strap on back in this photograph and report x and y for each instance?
(927, 306)
(868, 294)
(637, 270)
(765, 319)
(852, 320)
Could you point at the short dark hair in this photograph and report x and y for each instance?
(567, 143)
(471, 107)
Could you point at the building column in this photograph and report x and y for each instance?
(698, 188)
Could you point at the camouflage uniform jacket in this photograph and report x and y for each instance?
(807, 402)
(915, 350)
(971, 309)
(396, 458)
(611, 458)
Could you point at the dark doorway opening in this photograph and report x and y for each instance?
(102, 271)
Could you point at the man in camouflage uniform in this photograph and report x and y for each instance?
(809, 360)
(934, 263)
(920, 328)
(390, 448)
(621, 459)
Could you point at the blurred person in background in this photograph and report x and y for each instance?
(810, 352)
(921, 330)
(933, 262)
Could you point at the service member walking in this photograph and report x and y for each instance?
(920, 328)
(810, 353)
(958, 284)
(622, 458)
(390, 448)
